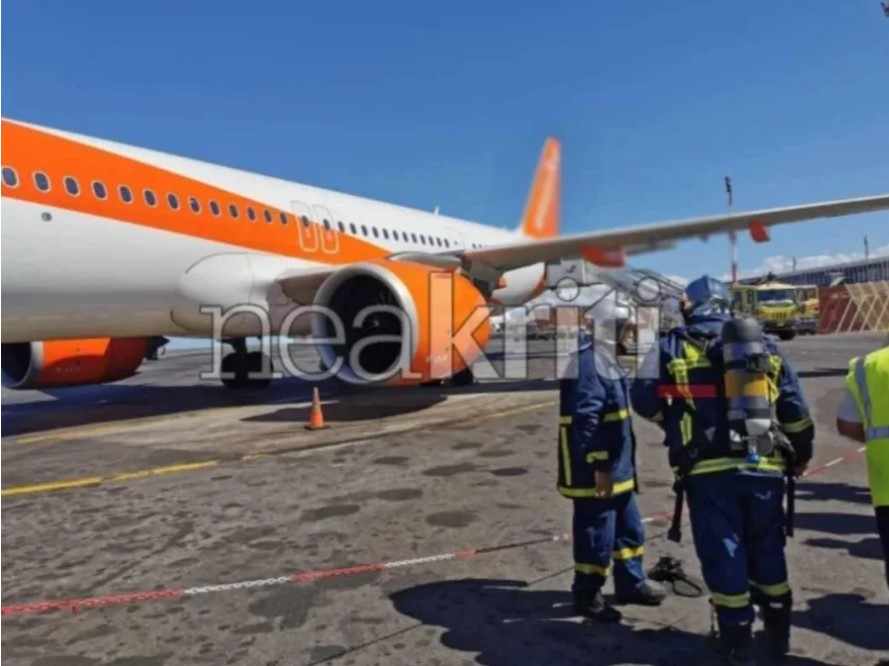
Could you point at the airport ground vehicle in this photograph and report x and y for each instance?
(809, 308)
(773, 303)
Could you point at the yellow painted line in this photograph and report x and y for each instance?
(92, 481)
(88, 481)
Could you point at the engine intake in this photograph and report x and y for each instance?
(59, 363)
(398, 322)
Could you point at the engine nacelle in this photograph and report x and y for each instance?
(398, 323)
(59, 363)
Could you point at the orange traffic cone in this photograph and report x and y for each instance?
(316, 417)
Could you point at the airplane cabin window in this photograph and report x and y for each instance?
(99, 190)
(353, 229)
(385, 234)
(126, 195)
(395, 234)
(173, 201)
(267, 215)
(10, 177)
(423, 239)
(305, 221)
(376, 234)
(233, 210)
(342, 227)
(414, 237)
(214, 208)
(251, 214)
(150, 199)
(283, 217)
(71, 186)
(447, 244)
(363, 230)
(327, 224)
(41, 181)
(194, 204)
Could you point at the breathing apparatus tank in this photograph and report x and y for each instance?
(746, 366)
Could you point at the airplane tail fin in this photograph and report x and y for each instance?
(541, 217)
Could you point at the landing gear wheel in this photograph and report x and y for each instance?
(463, 378)
(246, 370)
(234, 371)
(260, 366)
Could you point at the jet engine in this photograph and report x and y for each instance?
(398, 323)
(59, 363)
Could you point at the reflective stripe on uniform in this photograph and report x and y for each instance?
(593, 569)
(629, 553)
(731, 600)
(776, 590)
(796, 426)
(618, 415)
(713, 465)
(871, 431)
(566, 454)
(586, 493)
(592, 456)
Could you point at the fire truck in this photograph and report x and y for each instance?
(772, 303)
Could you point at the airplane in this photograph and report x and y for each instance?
(109, 247)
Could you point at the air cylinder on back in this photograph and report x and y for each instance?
(746, 363)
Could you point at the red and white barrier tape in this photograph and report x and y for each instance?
(75, 605)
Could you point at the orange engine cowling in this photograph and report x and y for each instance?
(398, 323)
(58, 363)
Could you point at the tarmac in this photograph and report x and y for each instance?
(166, 520)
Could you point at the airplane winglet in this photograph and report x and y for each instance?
(541, 217)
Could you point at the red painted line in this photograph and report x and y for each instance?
(687, 391)
(75, 605)
(307, 576)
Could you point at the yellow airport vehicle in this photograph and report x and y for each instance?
(771, 302)
(809, 308)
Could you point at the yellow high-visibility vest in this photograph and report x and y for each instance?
(868, 381)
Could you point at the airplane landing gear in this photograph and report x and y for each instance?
(242, 369)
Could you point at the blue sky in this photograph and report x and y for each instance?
(448, 104)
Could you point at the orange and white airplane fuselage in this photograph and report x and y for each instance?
(106, 246)
(84, 267)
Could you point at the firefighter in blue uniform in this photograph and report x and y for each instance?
(596, 471)
(735, 497)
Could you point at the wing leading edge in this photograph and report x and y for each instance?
(611, 247)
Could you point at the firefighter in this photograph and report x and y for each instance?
(864, 417)
(596, 470)
(735, 423)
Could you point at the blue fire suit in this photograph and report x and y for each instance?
(736, 508)
(595, 434)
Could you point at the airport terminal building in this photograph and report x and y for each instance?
(855, 272)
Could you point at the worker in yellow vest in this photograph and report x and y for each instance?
(864, 417)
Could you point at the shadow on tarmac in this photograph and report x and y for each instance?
(81, 406)
(507, 623)
(823, 372)
(409, 401)
(848, 618)
(843, 492)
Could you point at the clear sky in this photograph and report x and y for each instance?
(448, 104)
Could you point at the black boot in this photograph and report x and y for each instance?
(594, 607)
(734, 644)
(776, 613)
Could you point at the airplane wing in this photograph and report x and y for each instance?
(611, 247)
(608, 248)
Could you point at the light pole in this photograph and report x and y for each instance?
(733, 238)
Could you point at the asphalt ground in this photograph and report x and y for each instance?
(191, 525)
